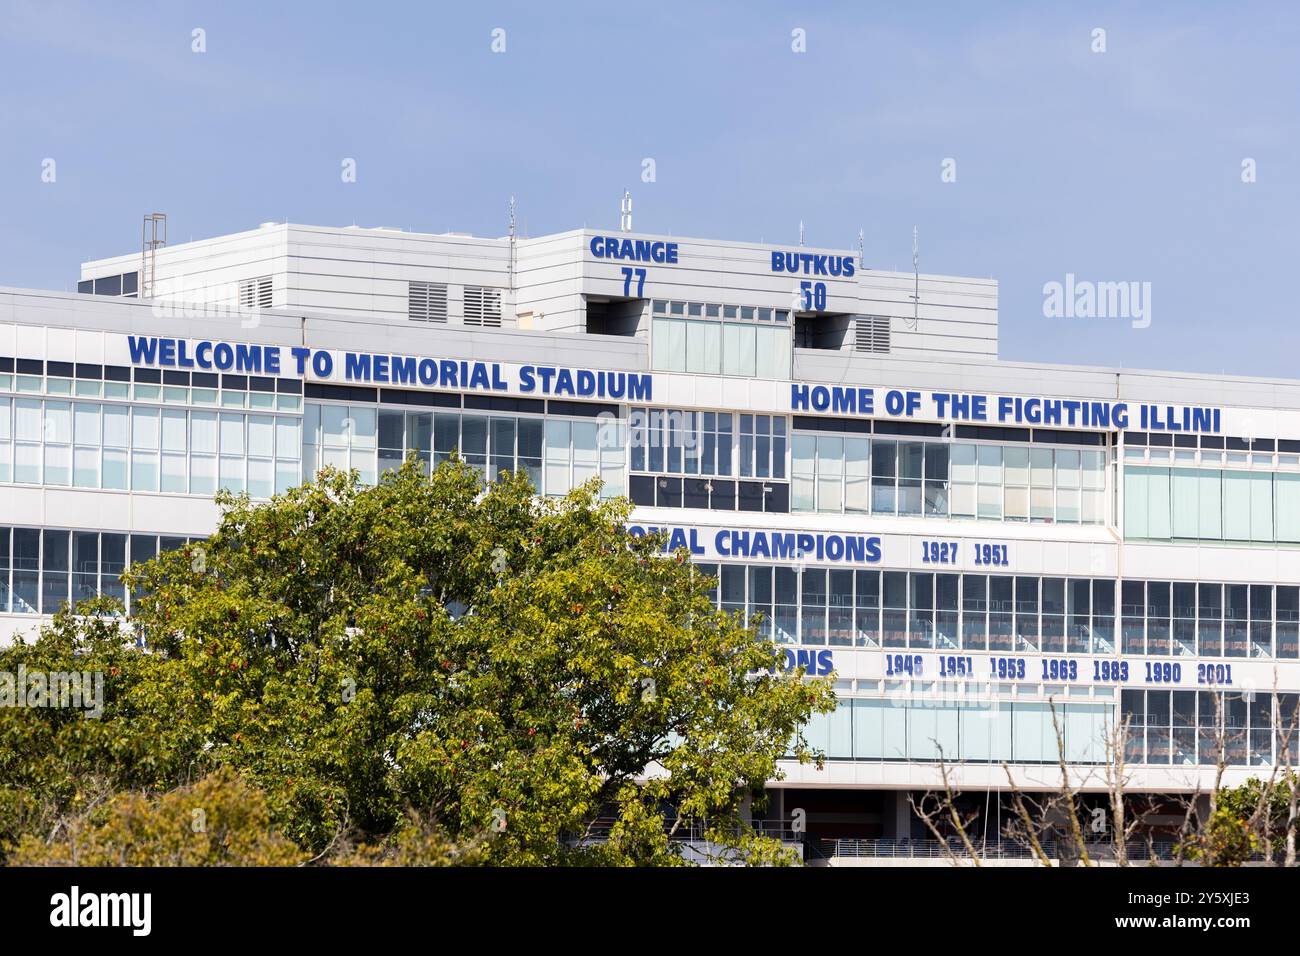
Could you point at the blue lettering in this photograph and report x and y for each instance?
(143, 351)
(447, 371)
(248, 358)
(356, 366)
(639, 387)
(404, 370)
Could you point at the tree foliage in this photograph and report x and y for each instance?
(423, 670)
(1248, 822)
(217, 821)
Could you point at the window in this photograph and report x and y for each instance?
(426, 301)
(41, 569)
(671, 441)
(742, 341)
(482, 306)
(1199, 504)
(1027, 483)
(871, 333)
(556, 454)
(854, 474)
(762, 446)
(255, 293)
(125, 285)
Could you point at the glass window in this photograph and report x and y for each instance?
(85, 565)
(557, 457)
(586, 456)
(54, 570)
(857, 475)
(474, 440)
(530, 450)
(336, 426)
(803, 470)
(232, 434)
(363, 426)
(446, 436)
(830, 473)
(884, 471)
(261, 436)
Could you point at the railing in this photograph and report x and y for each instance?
(987, 850)
(599, 830)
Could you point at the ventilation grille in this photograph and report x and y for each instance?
(871, 333)
(255, 293)
(482, 306)
(426, 302)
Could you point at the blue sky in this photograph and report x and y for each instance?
(1117, 166)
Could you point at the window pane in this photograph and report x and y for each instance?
(232, 434)
(261, 436)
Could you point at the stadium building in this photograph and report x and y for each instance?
(970, 545)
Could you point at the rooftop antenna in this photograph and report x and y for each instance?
(512, 243)
(153, 235)
(801, 232)
(862, 256)
(625, 212)
(916, 277)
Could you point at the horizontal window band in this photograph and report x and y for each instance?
(1058, 437)
(581, 409)
(993, 433)
(340, 393)
(848, 425)
(404, 396)
(501, 403)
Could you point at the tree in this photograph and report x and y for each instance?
(218, 821)
(428, 663)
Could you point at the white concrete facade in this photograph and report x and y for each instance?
(948, 503)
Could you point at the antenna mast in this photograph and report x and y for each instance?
(512, 243)
(625, 212)
(916, 278)
(153, 235)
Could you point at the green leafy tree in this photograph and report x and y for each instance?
(57, 763)
(218, 821)
(1249, 820)
(427, 669)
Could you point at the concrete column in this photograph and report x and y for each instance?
(896, 815)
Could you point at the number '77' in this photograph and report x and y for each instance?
(628, 272)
